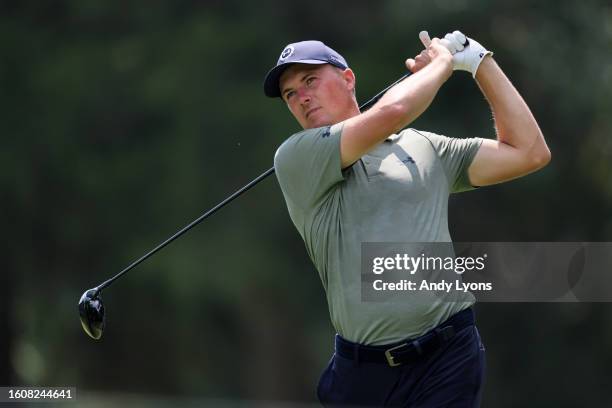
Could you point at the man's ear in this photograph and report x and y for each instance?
(349, 78)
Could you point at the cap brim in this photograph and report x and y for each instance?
(271, 88)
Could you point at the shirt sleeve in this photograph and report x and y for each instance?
(456, 156)
(308, 164)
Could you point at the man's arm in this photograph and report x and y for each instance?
(520, 147)
(401, 105)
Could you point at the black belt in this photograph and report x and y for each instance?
(408, 350)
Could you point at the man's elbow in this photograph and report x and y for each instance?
(539, 157)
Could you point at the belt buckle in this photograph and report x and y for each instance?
(391, 358)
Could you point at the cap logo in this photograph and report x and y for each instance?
(287, 52)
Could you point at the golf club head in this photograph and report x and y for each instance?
(91, 311)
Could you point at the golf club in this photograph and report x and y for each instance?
(91, 308)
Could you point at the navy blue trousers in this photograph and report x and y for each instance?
(452, 376)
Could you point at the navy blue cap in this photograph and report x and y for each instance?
(303, 52)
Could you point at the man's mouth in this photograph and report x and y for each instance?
(308, 113)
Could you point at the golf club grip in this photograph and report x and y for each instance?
(368, 104)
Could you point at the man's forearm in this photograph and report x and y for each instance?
(414, 95)
(402, 104)
(514, 122)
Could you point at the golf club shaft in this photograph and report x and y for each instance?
(367, 105)
(210, 212)
(188, 227)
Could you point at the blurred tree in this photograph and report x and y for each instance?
(6, 332)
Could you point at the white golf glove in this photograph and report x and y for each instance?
(467, 52)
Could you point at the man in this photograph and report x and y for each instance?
(353, 177)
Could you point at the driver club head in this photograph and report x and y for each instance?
(91, 311)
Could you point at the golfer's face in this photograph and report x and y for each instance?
(315, 94)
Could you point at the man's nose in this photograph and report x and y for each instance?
(303, 95)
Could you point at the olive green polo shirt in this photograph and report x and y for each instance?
(398, 192)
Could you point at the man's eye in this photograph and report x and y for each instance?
(289, 94)
(310, 80)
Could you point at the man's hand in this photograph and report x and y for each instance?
(467, 52)
(434, 49)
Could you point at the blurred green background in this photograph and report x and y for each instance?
(124, 120)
